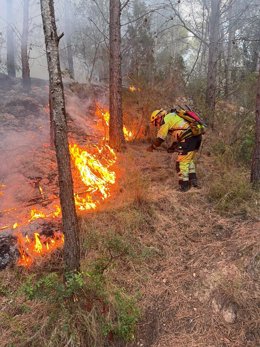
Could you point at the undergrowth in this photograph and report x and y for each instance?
(96, 307)
(232, 194)
(229, 187)
(86, 310)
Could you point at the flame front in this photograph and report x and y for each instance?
(93, 176)
(105, 116)
(36, 247)
(96, 176)
(93, 179)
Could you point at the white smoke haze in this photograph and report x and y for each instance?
(83, 114)
(78, 110)
(18, 171)
(27, 162)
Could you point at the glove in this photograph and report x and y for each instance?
(150, 148)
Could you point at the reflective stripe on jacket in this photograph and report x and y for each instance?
(172, 123)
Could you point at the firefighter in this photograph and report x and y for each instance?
(183, 142)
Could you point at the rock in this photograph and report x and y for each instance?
(216, 305)
(225, 306)
(8, 251)
(229, 312)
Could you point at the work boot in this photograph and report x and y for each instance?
(193, 180)
(184, 186)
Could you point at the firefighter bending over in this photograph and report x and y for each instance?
(184, 142)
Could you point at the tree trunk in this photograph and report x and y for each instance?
(68, 14)
(116, 136)
(255, 168)
(52, 135)
(214, 22)
(94, 62)
(231, 34)
(24, 47)
(69, 217)
(10, 40)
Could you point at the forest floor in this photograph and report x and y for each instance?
(201, 287)
(190, 261)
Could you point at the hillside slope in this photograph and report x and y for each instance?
(160, 268)
(201, 288)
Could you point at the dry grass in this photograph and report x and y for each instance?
(204, 257)
(191, 270)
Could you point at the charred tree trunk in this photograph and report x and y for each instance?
(69, 217)
(214, 23)
(255, 168)
(10, 40)
(68, 14)
(24, 47)
(116, 136)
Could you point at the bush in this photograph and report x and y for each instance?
(85, 309)
(231, 193)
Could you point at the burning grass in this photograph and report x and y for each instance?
(149, 252)
(104, 115)
(97, 307)
(93, 179)
(159, 268)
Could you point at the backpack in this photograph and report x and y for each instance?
(197, 125)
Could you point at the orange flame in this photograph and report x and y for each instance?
(92, 170)
(133, 89)
(105, 116)
(41, 191)
(128, 134)
(37, 247)
(57, 212)
(36, 215)
(1, 187)
(96, 177)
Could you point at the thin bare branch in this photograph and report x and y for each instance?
(124, 5)
(184, 24)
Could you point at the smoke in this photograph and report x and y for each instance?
(78, 110)
(24, 130)
(83, 114)
(28, 161)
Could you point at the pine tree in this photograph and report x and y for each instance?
(69, 217)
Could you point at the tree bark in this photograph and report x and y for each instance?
(68, 13)
(231, 34)
(52, 135)
(214, 22)
(255, 167)
(116, 136)
(10, 40)
(24, 47)
(69, 217)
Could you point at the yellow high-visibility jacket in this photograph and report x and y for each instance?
(174, 125)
